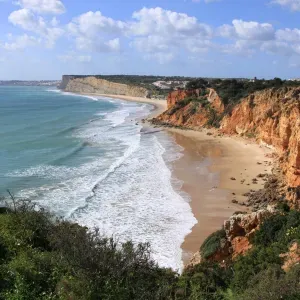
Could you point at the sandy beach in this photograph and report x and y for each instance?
(159, 105)
(214, 170)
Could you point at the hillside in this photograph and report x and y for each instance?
(129, 85)
(100, 86)
(254, 256)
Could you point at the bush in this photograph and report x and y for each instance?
(283, 206)
(197, 84)
(273, 284)
(212, 243)
(270, 229)
(204, 281)
(246, 267)
(45, 258)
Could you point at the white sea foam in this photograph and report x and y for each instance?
(127, 191)
(73, 94)
(138, 202)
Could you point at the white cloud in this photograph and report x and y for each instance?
(43, 6)
(20, 42)
(159, 31)
(241, 47)
(289, 35)
(293, 5)
(277, 47)
(96, 32)
(90, 45)
(27, 20)
(76, 58)
(165, 22)
(51, 35)
(54, 22)
(198, 46)
(94, 23)
(151, 43)
(161, 58)
(247, 31)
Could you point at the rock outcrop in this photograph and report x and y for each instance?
(92, 85)
(239, 230)
(244, 225)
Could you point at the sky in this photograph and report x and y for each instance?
(44, 39)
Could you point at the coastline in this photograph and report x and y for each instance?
(159, 105)
(206, 170)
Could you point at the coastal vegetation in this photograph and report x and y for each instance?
(232, 91)
(43, 257)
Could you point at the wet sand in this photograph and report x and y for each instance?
(206, 170)
(159, 105)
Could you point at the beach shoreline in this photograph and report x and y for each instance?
(207, 173)
(209, 178)
(159, 105)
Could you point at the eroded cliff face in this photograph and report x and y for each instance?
(271, 116)
(176, 96)
(100, 86)
(215, 101)
(204, 109)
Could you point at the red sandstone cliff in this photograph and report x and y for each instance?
(176, 96)
(272, 116)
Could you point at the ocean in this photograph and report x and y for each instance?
(86, 159)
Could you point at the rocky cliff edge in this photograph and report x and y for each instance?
(93, 85)
(270, 116)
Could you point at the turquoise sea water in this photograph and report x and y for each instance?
(36, 129)
(86, 159)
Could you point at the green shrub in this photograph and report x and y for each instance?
(214, 118)
(273, 284)
(212, 243)
(270, 229)
(283, 206)
(45, 258)
(204, 281)
(246, 267)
